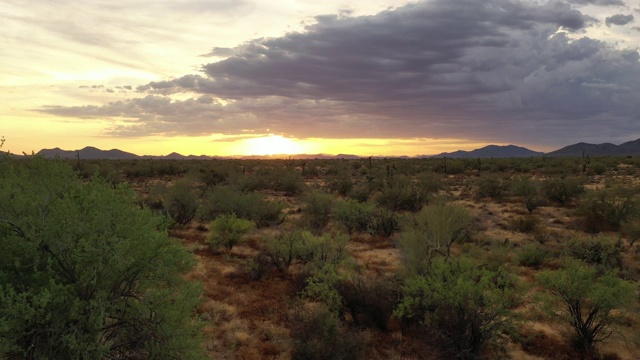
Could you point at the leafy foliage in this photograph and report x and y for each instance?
(586, 301)
(563, 190)
(608, 208)
(182, 201)
(464, 306)
(84, 273)
(432, 232)
(317, 210)
(228, 231)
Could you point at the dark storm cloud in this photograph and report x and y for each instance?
(471, 69)
(619, 19)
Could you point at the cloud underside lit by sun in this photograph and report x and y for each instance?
(465, 69)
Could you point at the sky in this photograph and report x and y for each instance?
(365, 77)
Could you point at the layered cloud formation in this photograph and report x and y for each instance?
(484, 70)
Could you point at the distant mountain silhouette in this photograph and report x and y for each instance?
(492, 151)
(631, 148)
(92, 153)
(88, 152)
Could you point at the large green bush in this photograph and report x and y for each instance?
(317, 210)
(430, 233)
(87, 274)
(181, 201)
(607, 209)
(228, 231)
(463, 306)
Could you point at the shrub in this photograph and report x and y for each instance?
(285, 249)
(360, 192)
(181, 202)
(355, 216)
(491, 186)
(600, 251)
(631, 228)
(401, 194)
(532, 256)
(384, 223)
(319, 335)
(86, 274)
(432, 232)
(586, 301)
(461, 305)
(529, 190)
(607, 209)
(340, 183)
(563, 190)
(225, 200)
(525, 224)
(228, 231)
(317, 210)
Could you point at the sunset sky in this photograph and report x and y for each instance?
(365, 77)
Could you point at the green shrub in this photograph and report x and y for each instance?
(525, 224)
(491, 186)
(462, 306)
(563, 190)
(340, 183)
(432, 232)
(286, 248)
(355, 216)
(529, 190)
(532, 256)
(384, 223)
(599, 251)
(87, 274)
(226, 200)
(228, 231)
(318, 335)
(586, 301)
(360, 192)
(631, 228)
(181, 201)
(401, 194)
(607, 209)
(317, 210)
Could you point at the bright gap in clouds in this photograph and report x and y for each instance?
(271, 145)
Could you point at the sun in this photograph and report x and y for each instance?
(272, 145)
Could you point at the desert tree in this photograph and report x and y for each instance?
(586, 301)
(85, 273)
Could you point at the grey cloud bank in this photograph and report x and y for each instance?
(485, 70)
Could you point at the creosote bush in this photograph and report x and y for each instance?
(317, 210)
(227, 200)
(462, 306)
(228, 231)
(607, 209)
(563, 190)
(318, 334)
(181, 201)
(430, 233)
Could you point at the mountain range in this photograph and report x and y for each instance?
(631, 148)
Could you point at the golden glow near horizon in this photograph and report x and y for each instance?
(272, 145)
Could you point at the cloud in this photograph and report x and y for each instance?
(618, 19)
(490, 70)
(598, 2)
